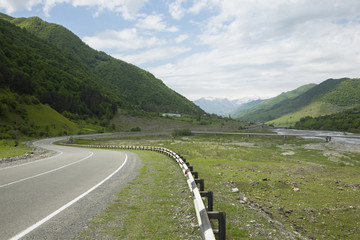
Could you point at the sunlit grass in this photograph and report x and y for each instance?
(311, 191)
(155, 205)
(8, 149)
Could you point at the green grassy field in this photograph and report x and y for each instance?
(8, 149)
(155, 205)
(288, 189)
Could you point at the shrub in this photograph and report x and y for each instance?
(181, 132)
(136, 129)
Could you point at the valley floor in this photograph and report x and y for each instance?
(269, 187)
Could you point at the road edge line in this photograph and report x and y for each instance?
(53, 214)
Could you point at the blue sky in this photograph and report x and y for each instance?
(219, 48)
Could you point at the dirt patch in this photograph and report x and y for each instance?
(289, 153)
(344, 147)
(317, 146)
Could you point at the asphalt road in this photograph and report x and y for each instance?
(53, 198)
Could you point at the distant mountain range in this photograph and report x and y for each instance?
(221, 106)
(287, 109)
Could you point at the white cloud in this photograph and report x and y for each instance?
(176, 9)
(200, 5)
(124, 40)
(267, 47)
(154, 54)
(155, 22)
(233, 48)
(128, 8)
(11, 6)
(181, 38)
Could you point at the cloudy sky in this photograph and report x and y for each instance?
(219, 48)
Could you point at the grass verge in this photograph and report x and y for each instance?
(155, 205)
(8, 149)
(273, 188)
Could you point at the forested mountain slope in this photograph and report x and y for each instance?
(333, 96)
(275, 107)
(329, 97)
(31, 66)
(134, 87)
(345, 121)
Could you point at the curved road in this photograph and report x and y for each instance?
(53, 198)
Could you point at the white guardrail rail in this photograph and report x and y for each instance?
(203, 216)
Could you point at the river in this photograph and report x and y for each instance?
(342, 137)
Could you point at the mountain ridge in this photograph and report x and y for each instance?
(329, 97)
(264, 110)
(59, 77)
(132, 86)
(221, 106)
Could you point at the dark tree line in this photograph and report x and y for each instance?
(346, 121)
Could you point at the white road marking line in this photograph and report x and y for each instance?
(43, 159)
(47, 218)
(50, 171)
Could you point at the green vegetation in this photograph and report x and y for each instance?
(148, 122)
(44, 63)
(288, 189)
(50, 121)
(155, 205)
(23, 116)
(135, 129)
(313, 109)
(12, 148)
(181, 132)
(123, 84)
(30, 66)
(346, 121)
(259, 111)
(330, 96)
(345, 94)
(246, 107)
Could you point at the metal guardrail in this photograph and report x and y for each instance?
(203, 215)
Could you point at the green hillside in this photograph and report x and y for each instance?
(49, 121)
(346, 94)
(275, 107)
(342, 96)
(136, 87)
(31, 66)
(246, 107)
(346, 121)
(44, 65)
(23, 115)
(328, 97)
(313, 109)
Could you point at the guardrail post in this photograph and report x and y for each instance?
(221, 217)
(204, 216)
(201, 182)
(190, 167)
(210, 199)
